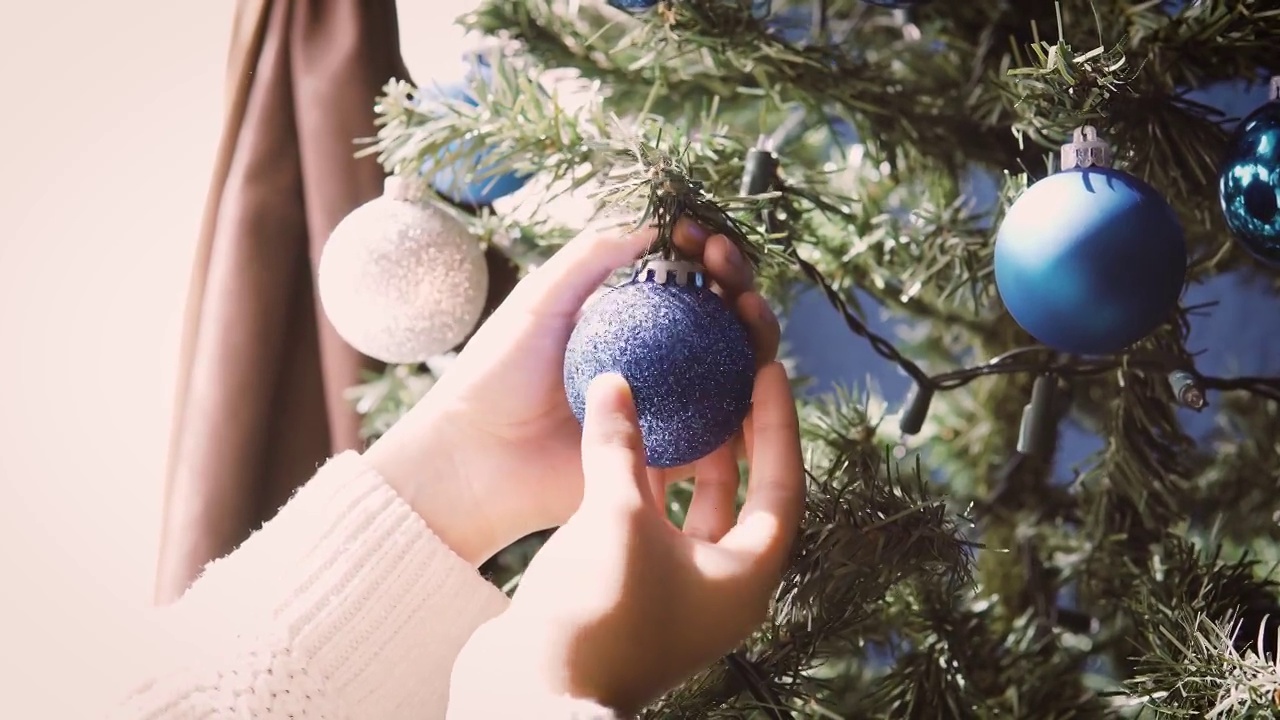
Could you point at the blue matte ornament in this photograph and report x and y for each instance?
(1091, 259)
(1249, 186)
(634, 6)
(685, 354)
(467, 180)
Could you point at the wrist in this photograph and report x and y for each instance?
(419, 460)
(537, 684)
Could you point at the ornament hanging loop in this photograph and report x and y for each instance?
(1275, 89)
(679, 272)
(1086, 150)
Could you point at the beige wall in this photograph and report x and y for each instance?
(110, 114)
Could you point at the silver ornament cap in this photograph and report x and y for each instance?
(402, 280)
(662, 271)
(1086, 150)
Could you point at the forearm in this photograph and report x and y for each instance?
(344, 605)
(447, 506)
(507, 649)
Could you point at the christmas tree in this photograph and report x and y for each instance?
(948, 566)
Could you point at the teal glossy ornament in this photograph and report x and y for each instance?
(1249, 186)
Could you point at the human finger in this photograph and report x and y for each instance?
(676, 474)
(740, 442)
(658, 483)
(727, 266)
(689, 237)
(775, 489)
(564, 282)
(613, 459)
(724, 262)
(762, 326)
(715, 495)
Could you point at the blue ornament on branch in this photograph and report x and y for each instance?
(634, 6)
(684, 352)
(466, 179)
(1249, 186)
(1091, 259)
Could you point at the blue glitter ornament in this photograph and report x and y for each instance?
(634, 6)
(1249, 186)
(1091, 259)
(467, 180)
(685, 354)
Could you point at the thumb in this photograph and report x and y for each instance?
(563, 283)
(613, 459)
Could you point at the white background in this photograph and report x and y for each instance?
(111, 115)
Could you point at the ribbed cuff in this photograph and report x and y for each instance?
(351, 583)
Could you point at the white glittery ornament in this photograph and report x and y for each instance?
(402, 280)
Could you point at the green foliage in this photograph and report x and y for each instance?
(929, 577)
(383, 398)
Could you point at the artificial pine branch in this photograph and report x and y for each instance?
(1235, 478)
(1184, 610)
(871, 536)
(751, 63)
(885, 560)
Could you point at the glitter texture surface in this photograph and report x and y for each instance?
(686, 356)
(402, 282)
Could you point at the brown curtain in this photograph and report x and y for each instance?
(262, 374)
(260, 399)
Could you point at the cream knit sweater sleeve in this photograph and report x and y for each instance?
(343, 607)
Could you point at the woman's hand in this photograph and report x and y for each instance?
(491, 454)
(620, 606)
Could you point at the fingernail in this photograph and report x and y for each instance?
(732, 253)
(763, 311)
(696, 230)
(608, 385)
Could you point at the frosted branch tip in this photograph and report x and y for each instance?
(1086, 150)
